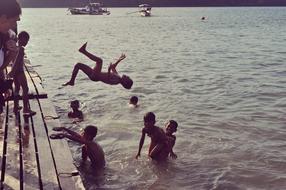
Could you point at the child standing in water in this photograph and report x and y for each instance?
(18, 74)
(170, 128)
(111, 77)
(90, 148)
(157, 135)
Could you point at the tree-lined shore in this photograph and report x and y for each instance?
(154, 3)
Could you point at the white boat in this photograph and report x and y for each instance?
(90, 9)
(145, 10)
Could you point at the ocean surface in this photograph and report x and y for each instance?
(222, 79)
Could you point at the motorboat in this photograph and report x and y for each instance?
(145, 10)
(90, 9)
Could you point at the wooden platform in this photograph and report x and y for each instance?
(29, 158)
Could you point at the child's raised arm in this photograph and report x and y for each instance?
(112, 66)
(122, 56)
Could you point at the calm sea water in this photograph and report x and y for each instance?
(222, 79)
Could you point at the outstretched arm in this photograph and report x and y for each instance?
(141, 144)
(112, 66)
(75, 138)
(122, 56)
(72, 133)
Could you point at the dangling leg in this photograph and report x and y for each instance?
(80, 66)
(93, 57)
(25, 94)
(16, 94)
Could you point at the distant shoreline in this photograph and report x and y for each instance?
(156, 6)
(157, 3)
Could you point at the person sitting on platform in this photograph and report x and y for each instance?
(18, 74)
(90, 148)
(111, 77)
(75, 113)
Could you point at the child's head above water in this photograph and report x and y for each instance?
(23, 38)
(90, 132)
(74, 104)
(171, 127)
(149, 119)
(133, 100)
(126, 82)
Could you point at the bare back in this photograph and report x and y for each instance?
(95, 154)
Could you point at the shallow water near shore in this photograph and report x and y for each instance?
(222, 79)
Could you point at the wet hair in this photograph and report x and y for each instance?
(10, 8)
(174, 123)
(126, 82)
(150, 117)
(23, 35)
(134, 100)
(91, 130)
(75, 102)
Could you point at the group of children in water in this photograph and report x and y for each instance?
(162, 142)
(160, 148)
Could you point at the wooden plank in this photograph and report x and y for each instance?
(48, 171)
(31, 96)
(12, 155)
(61, 150)
(53, 156)
(3, 136)
(13, 176)
(2, 131)
(33, 75)
(62, 154)
(48, 177)
(31, 172)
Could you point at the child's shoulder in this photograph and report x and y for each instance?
(70, 114)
